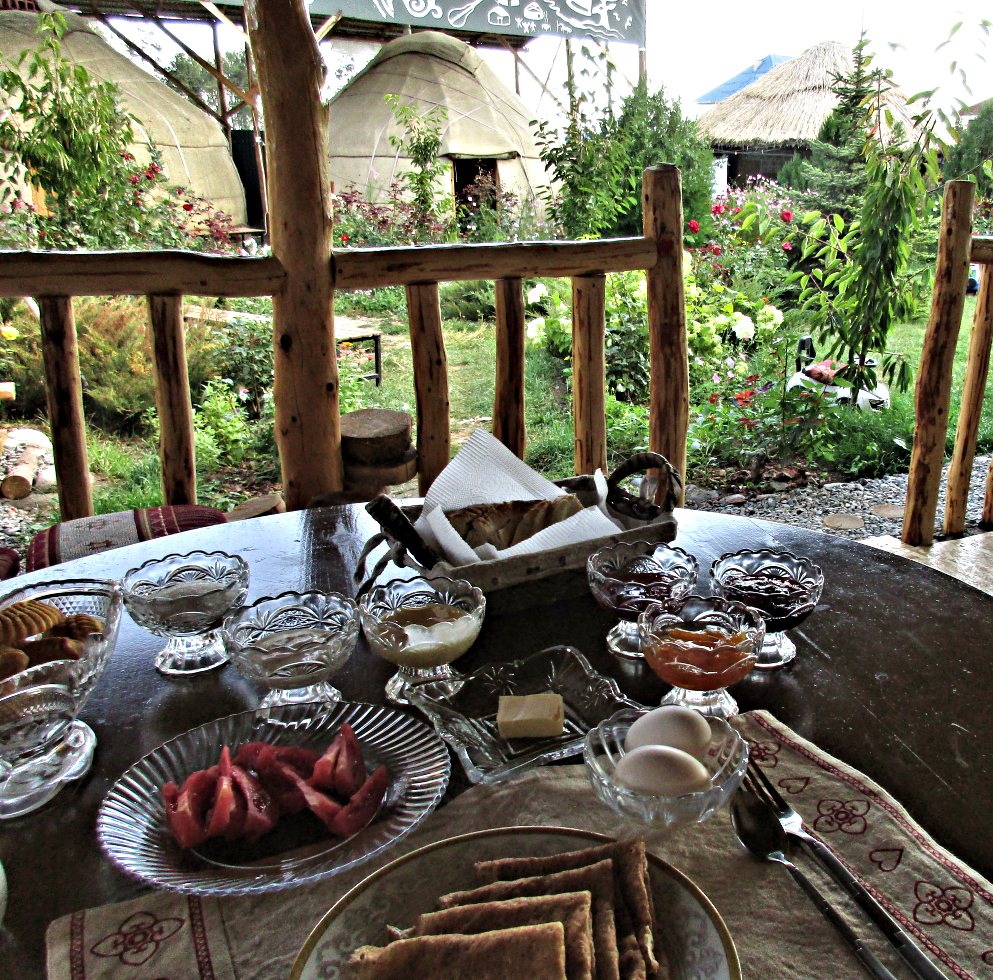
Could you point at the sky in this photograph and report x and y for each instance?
(692, 47)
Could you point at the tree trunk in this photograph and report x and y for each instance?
(291, 73)
(508, 399)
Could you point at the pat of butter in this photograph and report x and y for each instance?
(532, 716)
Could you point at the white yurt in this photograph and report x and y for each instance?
(195, 153)
(487, 126)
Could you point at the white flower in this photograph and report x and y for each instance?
(769, 316)
(536, 293)
(536, 328)
(743, 327)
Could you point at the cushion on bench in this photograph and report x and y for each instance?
(91, 535)
(824, 371)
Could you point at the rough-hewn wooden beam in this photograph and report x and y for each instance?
(370, 267)
(981, 250)
(137, 274)
(589, 373)
(427, 344)
(291, 73)
(508, 396)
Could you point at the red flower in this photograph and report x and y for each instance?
(717, 209)
(736, 211)
(694, 226)
(187, 206)
(786, 215)
(134, 178)
(127, 156)
(716, 249)
(345, 238)
(150, 174)
(714, 398)
(752, 378)
(787, 247)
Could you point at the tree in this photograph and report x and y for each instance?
(201, 83)
(968, 157)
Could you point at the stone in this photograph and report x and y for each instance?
(735, 499)
(843, 522)
(778, 486)
(29, 437)
(698, 495)
(891, 512)
(834, 486)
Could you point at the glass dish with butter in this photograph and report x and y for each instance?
(422, 625)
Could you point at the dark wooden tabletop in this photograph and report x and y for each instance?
(893, 675)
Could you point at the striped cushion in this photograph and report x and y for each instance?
(91, 535)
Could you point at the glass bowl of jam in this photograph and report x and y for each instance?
(293, 643)
(701, 645)
(422, 625)
(627, 578)
(781, 586)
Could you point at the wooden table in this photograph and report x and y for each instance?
(893, 675)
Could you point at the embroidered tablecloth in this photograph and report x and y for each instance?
(945, 905)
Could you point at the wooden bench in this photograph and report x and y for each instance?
(342, 331)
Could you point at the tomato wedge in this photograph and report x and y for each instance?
(227, 818)
(280, 786)
(248, 753)
(302, 760)
(363, 805)
(186, 808)
(323, 776)
(349, 772)
(261, 810)
(322, 805)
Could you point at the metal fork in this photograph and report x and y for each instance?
(791, 821)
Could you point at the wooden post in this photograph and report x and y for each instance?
(255, 102)
(933, 392)
(971, 407)
(427, 345)
(222, 92)
(291, 74)
(670, 386)
(172, 400)
(988, 501)
(508, 396)
(65, 406)
(589, 384)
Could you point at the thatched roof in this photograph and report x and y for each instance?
(788, 105)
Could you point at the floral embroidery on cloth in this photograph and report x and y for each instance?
(138, 938)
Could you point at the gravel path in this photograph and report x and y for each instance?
(807, 506)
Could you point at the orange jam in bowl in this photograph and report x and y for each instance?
(698, 656)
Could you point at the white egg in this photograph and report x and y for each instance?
(660, 770)
(672, 724)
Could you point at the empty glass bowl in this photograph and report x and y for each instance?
(186, 597)
(725, 760)
(293, 643)
(701, 645)
(781, 586)
(628, 577)
(422, 625)
(42, 745)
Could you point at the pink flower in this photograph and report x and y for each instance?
(787, 247)
(736, 211)
(786, 215)
(694, 226)
(134, 178)
(729, 361)
(716, 378)
(717, 209)
(730, 374)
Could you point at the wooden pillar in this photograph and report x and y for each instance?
(670, 385)
(642, 68)
(64, 394)
(222, 92)
(589, 383)
(291, 73)
(427, 345)
(508, 397)
(172, 400)
(255, 102)
(971, 407)
(933, 392)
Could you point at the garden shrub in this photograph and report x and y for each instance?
(472, 301)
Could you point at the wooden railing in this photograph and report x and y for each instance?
(165, 277)
(932, 397)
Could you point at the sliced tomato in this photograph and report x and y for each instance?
(363, 805)
(301, 760)
(324, 768)
(280, 786)
(325, 808)
(186, 808)
(248, 753)
(227, 818)
(261, 810)
(349, 773)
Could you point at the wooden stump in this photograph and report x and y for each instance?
(172, 400)
(971, 407)
(271, 503)
(65, 406)
(932, 396)
(291, 75)
(430, 382)
(589, 386)
(508, 398)
(670, 386)
(17, 484)
(373, 436)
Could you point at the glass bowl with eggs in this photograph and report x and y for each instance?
(293, 643)
(666, 768)
(628, 577)
(422, 625)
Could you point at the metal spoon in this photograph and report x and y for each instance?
(758, 828)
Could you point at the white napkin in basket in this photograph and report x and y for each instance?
(485, 471)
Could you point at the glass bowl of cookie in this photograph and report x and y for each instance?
(55, 641)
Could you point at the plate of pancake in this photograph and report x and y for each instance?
(542, 903)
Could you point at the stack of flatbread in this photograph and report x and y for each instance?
(582, 915)
(504, 525)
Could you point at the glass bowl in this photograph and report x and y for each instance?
(725, 760)
(700, 669)
(42, 745)
(186, 597)
(293, 643)
(422, 652)
(663, 572)
(800, 583)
